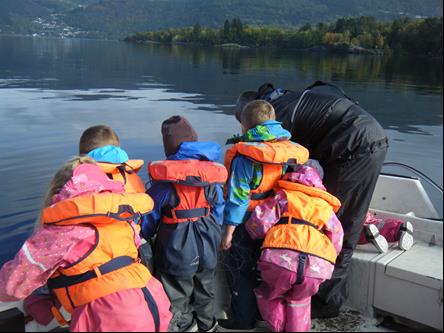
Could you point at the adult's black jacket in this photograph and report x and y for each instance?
(329, 124)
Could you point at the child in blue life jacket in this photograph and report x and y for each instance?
(103, 145)
(187, 189)
(256, 162)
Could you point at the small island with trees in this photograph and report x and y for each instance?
(364, 35)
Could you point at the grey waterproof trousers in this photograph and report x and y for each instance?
(192, 299)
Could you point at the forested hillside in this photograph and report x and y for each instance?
(349, 35)
(118, 18)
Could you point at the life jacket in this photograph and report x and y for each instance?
(112, 265)
(125, 173)
(302, 227)
(273, 156)
(189, 178)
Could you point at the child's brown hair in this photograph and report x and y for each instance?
(257, 112)
(97, 136)
(60, 179)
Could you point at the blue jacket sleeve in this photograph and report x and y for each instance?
(159, 192)
(219, 205)
(238, 191)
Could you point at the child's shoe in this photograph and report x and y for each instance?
(372, 234)
(406, 236)
(213, 327)
(192, 328)
(230, 325)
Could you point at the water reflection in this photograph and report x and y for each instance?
(400, 92)
(41, 129)
(52, 89)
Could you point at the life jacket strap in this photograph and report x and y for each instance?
(122, 171)
(152, 305)
(114, 264)
(262, 195)
(301, 268)
(285, 220)
(191, 213)
(59, 316)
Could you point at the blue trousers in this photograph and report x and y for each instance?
(242, 277)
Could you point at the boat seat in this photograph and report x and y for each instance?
(386, 196)
(409, 284)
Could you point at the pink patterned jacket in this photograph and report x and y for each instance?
(51, 247)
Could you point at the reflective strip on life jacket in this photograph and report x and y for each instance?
(125, 173)
(273, 156)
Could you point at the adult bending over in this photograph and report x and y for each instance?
(351, 147)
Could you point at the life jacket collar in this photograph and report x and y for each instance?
(311, 191)
(98, 208)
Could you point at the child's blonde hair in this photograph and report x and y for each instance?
(257, 112)
(97, 136)
(62, 176)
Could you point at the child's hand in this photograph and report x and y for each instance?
(227, 237)
(226, 242)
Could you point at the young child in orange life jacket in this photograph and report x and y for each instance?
(187, 190)
(85, 250)
(255, 162)
(302, 240)
(102, 143)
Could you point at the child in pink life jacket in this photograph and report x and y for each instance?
(381, 232)
(85, 250)
(302, 240)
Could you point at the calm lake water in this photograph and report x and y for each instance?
(52, 89)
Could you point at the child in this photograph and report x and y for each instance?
(380, 233)
(86, 252)
(255, 164)
(188, 203)
(302, 240)
(102, 143)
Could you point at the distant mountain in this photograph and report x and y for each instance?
(118, 18)
(26, 16)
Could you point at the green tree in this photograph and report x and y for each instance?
(226, 34)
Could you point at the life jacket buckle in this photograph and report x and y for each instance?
(59, 316)
(97, 271)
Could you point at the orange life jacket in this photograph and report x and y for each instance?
(302, 227)
(112, 265)
(189, 178)
(273, 156)
(125, 173)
